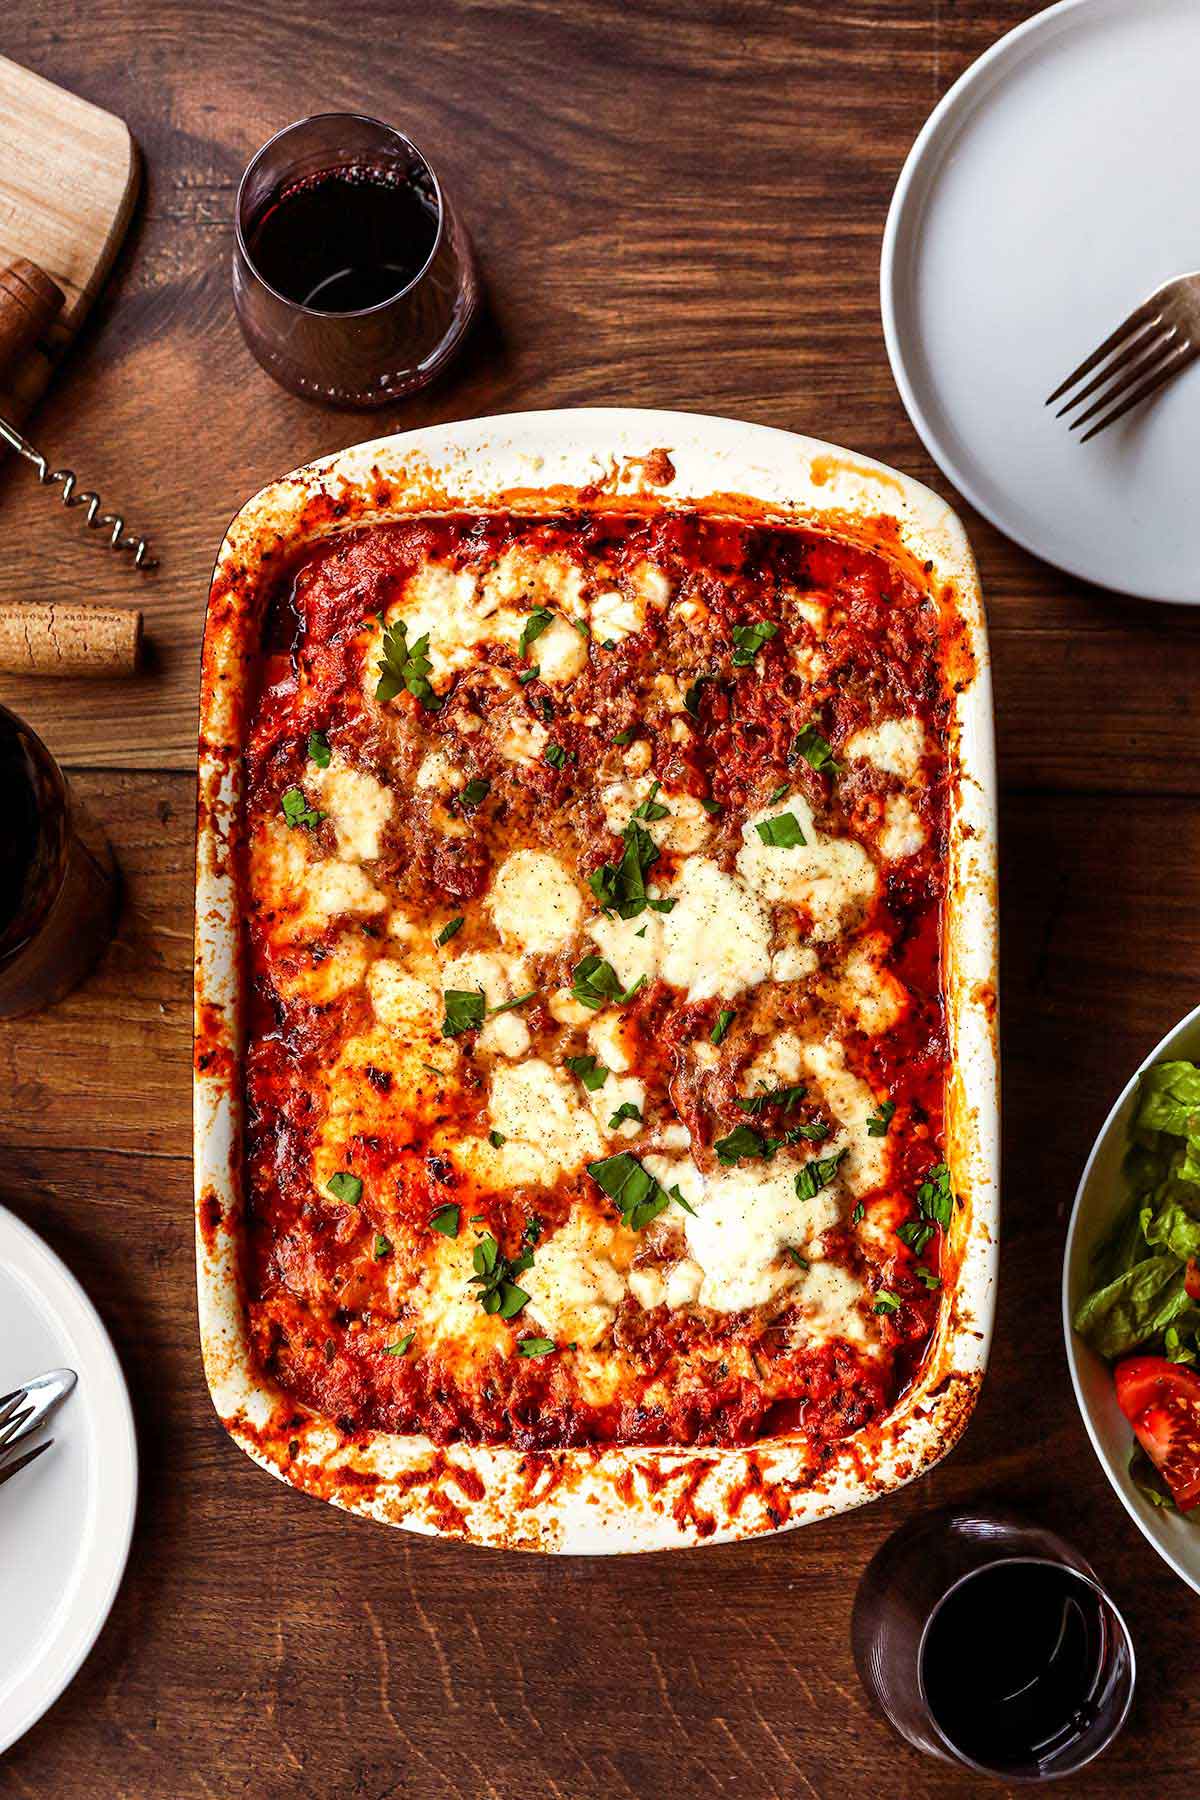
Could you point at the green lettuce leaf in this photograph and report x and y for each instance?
(1137, 1305)
(1168, 1223)
(1169, 1099)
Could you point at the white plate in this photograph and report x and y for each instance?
(1101, 1196)
(65, 1523)
(1050, 192)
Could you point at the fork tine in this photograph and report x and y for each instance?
(12, 1430)
(1155, 339)
(1148, 313)
(10, 1402)
(1178, 358)
(23, 1462)
(1147, 366)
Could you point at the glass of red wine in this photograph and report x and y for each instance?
(353, 280)
(988, 1641)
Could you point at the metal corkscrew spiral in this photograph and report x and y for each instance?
(73, 495)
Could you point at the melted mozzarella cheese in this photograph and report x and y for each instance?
(538, 1110)
(306, 894)
(529, 578)
(505, 1035)
(632, 946)
(560, 653)
(500, 977)
(684, 828)
(438, 772)
(606, 1100)
(829, 1298)
(534, 902)
(399, 999)
(865, 990)
(903, 833)
(852, 1103)
(716, 939)
(615, 616)
(607, 1040)
(833, 878)
(894, 745)
(523, 740)
(446, 605)
(574, 1285)
(746, 1219)
(358, 805)
(320, 976)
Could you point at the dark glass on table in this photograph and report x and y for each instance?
(58, 886)
(988, 1641)
(353, 280)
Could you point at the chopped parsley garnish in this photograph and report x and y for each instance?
(401, 1346)
(748, 640)
(814, 749)
(495, 1277)
(712, 807)
(928, 1277)
(780, 791)
(545, 706)
(533, 1229)
(530, 675)
(741, 1141)
(782, 832)
(651, 807)
(402, 665)
(724, 1021)
(496, 1139)
(535, 1346)
(297, 811)
(877, 1124)
(935, 1203)
(859, 1213)
(786, 1097)
(621, 887)
(345, 1187)
(886, 1301)
(557, 757)
(511, 1005)
(626, 1110)
(625, 737)
(814, 1132)
(448, 930)
(382, 1248)
(464, 1011)
(638, 1196)
(475, 792)
(318, 749)
(801, 1262)
(593, 1074)
(446, 1220)
(595, 982)
(581, 626)
(535, 623)
(817, 1174)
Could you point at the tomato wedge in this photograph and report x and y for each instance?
(1161, 1400)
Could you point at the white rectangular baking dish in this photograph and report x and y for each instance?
(608, 1498)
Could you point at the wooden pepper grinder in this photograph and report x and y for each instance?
(37, 637)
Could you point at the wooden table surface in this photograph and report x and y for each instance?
(676, 205)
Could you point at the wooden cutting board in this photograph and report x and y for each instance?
(68, 180)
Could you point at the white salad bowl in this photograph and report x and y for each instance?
(1101, 1195)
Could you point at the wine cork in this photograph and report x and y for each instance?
(40, 638)
(29, 301)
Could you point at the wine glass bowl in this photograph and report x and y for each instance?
(353, 280)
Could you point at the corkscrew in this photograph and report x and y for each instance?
(74, 495)
(29, 301)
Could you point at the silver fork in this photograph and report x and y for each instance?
(1155, 342)
(22, 1411)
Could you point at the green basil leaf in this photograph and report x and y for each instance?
(593, 1074)
(535, 1346)
(814, 749)
(817, 1174)
(298, 812)
(448, 931)
(475, 793)
(345, 1187)
(877, 1124)
(782, 832)
(318, 749)
(401, 1346)
(535, 623)
(748, 640)
(464, 1011)
(724, 1021)
(446, 1220)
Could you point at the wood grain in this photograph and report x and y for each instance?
(675, 206)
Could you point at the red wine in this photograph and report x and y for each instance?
(1013, 1664)
(345, 238)
(57, 890)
